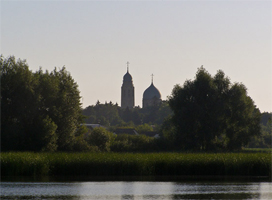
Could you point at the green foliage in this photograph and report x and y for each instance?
(24, 164)
(46, 135)
(210, 113)
(264, 140)
(258, 150)
(17, 103)
(135, 164)
(133, 143)
(143, 128)
(80, 143)
(109, 114)
(101, 138)
(168, 134)
(266, 119)
(40, 111)
(105, 114)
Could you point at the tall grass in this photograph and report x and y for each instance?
(255, 150)
(139, 164)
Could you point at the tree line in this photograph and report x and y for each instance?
(109, 114)
(41, 111)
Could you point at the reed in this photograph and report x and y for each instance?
(138, 164)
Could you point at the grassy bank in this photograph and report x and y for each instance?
(255, 150)
(128, 164)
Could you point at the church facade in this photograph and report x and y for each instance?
(151, 96)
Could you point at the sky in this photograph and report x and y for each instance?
(170, 39)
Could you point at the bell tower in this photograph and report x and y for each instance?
(127, 91)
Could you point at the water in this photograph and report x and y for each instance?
(135, 190)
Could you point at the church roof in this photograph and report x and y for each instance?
(127, 77)
(151, 92)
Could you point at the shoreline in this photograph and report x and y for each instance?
(136, 179)
(160, 166)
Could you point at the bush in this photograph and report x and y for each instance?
(133, 143)
(101, 138)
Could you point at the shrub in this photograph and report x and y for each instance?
(101, 138)
(133, 143)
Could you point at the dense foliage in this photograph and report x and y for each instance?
(110, 114)
(40, 110)
(264, 140)
(134, 143)
(211, 113)
(135, 164)
(100, 138)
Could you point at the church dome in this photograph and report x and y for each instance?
(127, 77)
(151, 92)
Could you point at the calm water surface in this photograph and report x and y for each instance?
(135, 190)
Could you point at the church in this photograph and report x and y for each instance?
(151, 96)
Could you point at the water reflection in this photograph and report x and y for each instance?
(127, 190)
(216, 191)
(135, 190)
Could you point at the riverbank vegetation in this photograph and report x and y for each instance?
(135, 164)
(41, 112)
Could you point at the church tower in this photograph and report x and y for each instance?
(127, 91)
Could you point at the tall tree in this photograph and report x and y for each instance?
(65, 108)
(18, 102)
(210, 112)
(243, 119)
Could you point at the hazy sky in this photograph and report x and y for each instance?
(171, 39)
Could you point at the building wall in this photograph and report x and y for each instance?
(127, 96)
(151, 102)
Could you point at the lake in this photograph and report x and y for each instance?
(134, 190)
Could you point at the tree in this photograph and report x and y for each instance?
(265, 139)
(44, 135)
(40, 111)
(104, 114)
(101, 138)
(210, 112)
(143, 128)
(243, 119)
(18, 104)
(163, 113)
(67, 105)
(109, 114)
